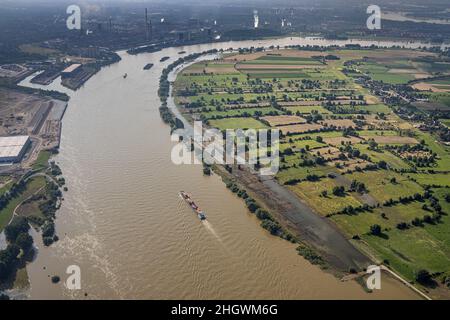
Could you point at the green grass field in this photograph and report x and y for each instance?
(383, 155)
(33, 185)
(381, 188)
(311, 193)
(238, 112)
(446, 122)
(382, 73)
(42, 160)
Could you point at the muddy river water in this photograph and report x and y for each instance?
(122, 220)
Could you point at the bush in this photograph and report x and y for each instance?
(310, 255)
(47, 241)
(423, 277)
(271, 226)
(263, 215)
(48, 230)
(375, 229)
(17, 226)
(24, 241)
(339, 191)
(402, 226)
(251, 205)
(8, 259)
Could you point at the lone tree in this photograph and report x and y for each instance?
(423, 277)
(375, 229)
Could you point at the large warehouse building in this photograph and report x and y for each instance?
(13, 148)
(71, 70)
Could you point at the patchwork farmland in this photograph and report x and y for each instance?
(345, 152)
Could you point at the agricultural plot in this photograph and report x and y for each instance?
(238, 112)
(275, 121)
(300, 128)
(311, 192)
(236, 123)
(391, 139)
(382, 187)
(308, 109)
(407, 251)
(306, 144)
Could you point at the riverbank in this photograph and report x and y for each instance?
(33, 191)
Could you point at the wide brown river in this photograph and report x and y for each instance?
(123, 223)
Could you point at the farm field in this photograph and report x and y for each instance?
(347, 154)
(236, 123)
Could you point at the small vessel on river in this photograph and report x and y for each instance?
(200, 214)
(148, 66)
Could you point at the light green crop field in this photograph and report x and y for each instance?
(428, 179)
(311, 193)
(382, 189)
(388, 74)
(383, 155)
(238, 112)
(237, 123)
(299, 144)
(445, 122)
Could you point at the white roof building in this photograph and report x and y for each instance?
(12, 148)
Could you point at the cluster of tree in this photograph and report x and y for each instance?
(419, 222)
(168, 117)
(350, 132)
(421, 161)
(310, 255)
(352, 153)
(313, 117)
(48, 209)
(19, 244)
(434, 206)
(424, 277)
(339, 191)
(351, 210)
(15, 190)
(323, 129)
(339, 109)
(164, 84)
(292, 182)
(357, 186)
